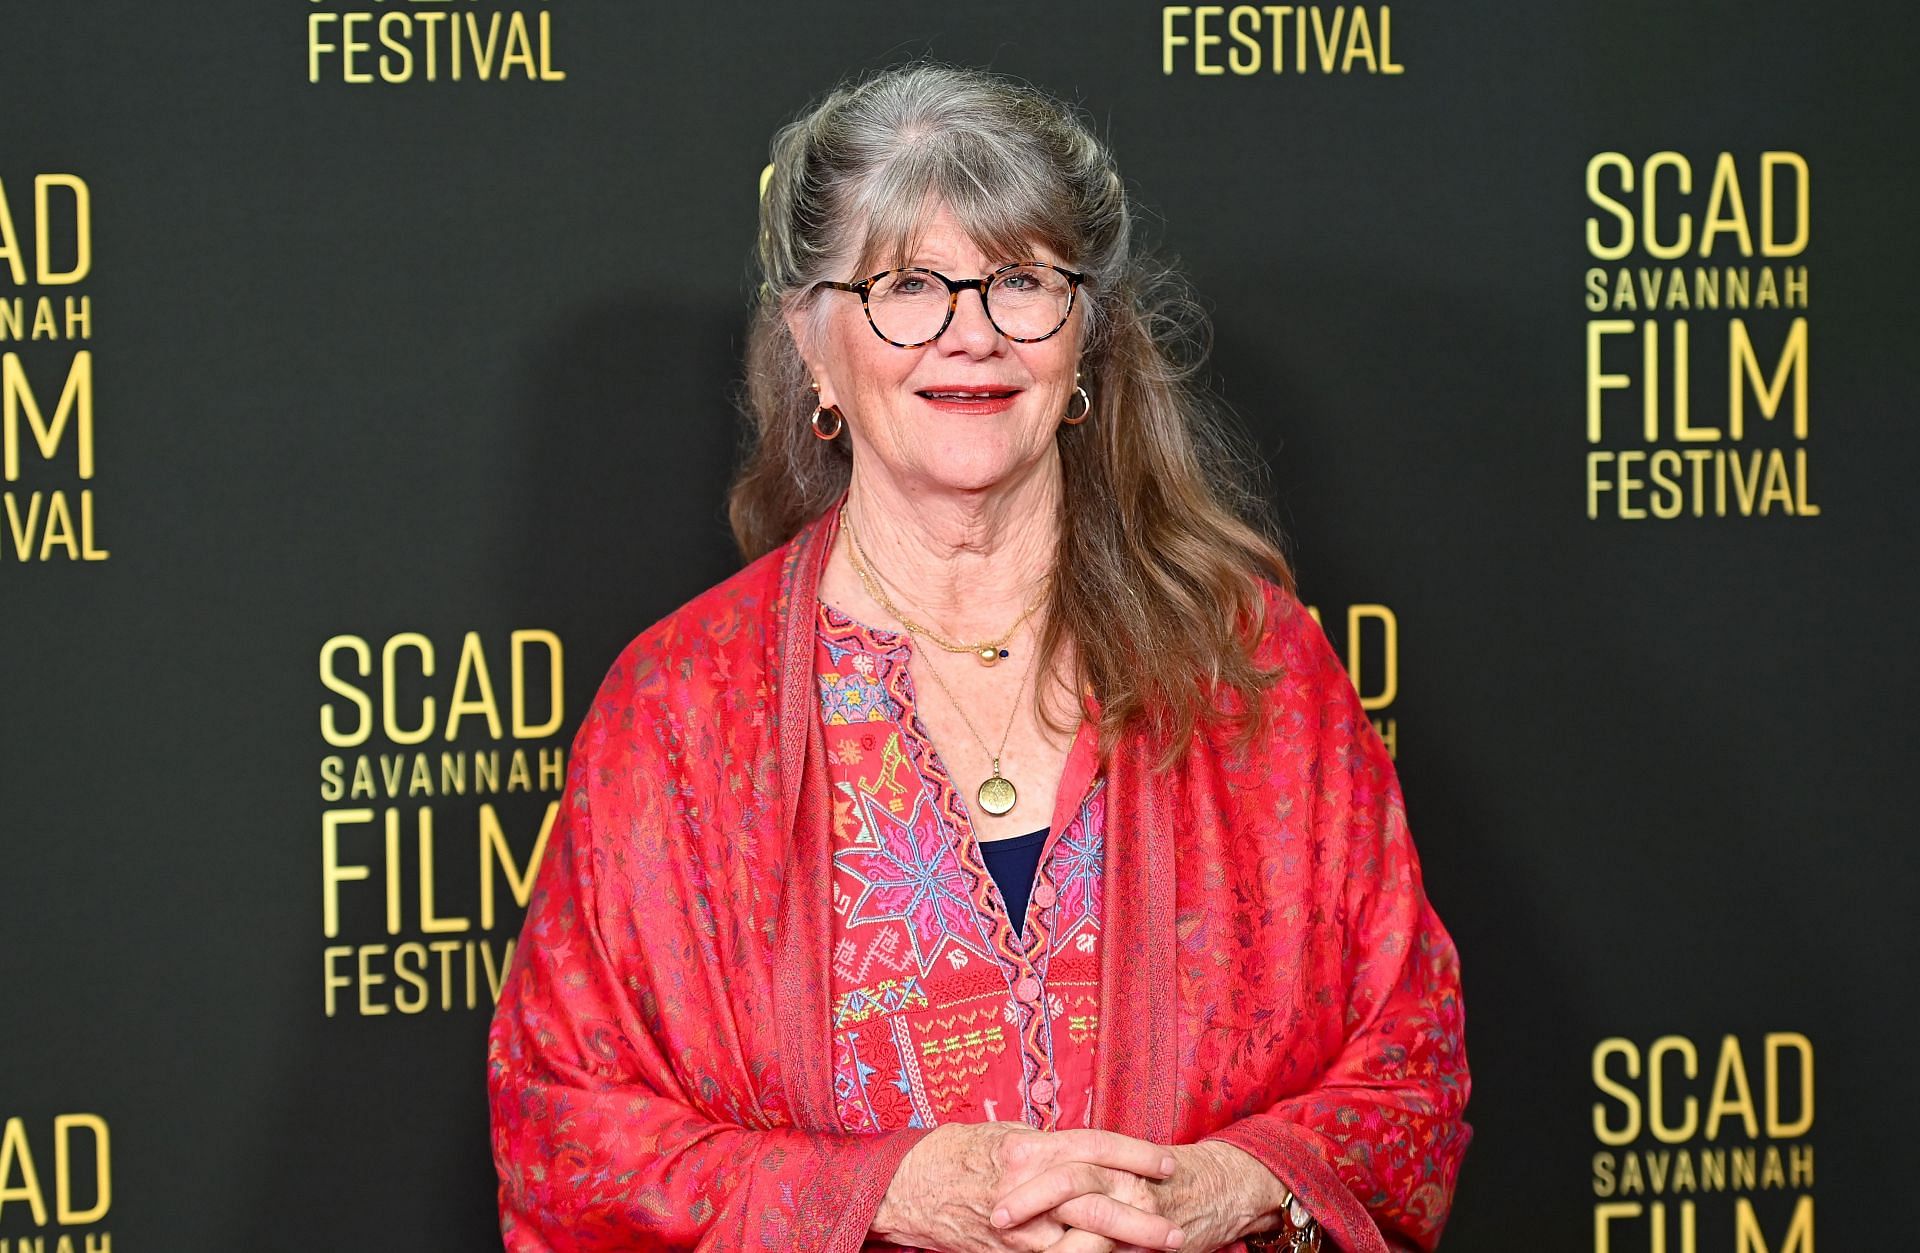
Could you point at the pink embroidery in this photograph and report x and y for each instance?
(975, 1017)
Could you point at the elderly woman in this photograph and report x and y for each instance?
(1002, 859)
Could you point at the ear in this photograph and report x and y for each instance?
(799, 321)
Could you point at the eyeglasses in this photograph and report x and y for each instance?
(910, 307)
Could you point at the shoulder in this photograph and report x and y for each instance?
(1319, 743)
(1290, 638)
(1311, 700)
(711, 656)
(733, 616)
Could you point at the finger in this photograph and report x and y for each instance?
(1042, 1233)
(1077, 1241)
(1110, 1148)
(1120, 1222)
(1053, 1187)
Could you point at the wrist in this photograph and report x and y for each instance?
(885, 1222)
(893, 1219)
(1216, 1193)
(1265, 1212)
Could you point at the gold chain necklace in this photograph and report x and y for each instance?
(987, 652)
(996, 794)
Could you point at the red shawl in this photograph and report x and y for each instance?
(659, 1062)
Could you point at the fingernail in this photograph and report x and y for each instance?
(1166, 1165)
(1000, 1218)
(1176, 1238)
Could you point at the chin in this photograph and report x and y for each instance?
(986, 458)
(974, 473)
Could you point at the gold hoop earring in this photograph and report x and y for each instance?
(1086, 408)
(821, 417)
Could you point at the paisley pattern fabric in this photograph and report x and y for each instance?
(663, 1063)
(943, 1011)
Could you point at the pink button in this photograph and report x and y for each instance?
(1043, 895)
(1041, 1091)
(1028, 989)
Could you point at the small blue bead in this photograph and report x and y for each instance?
(1005, 653)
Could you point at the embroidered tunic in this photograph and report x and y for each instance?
(662, 1063)
(943, 1010)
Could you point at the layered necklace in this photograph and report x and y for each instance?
(986, 652)
(996, 795)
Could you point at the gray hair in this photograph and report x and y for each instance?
(856, 177)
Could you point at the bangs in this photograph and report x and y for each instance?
(1006, 203)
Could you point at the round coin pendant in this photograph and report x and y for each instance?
(997, 796)
(988, 655)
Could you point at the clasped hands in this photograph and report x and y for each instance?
(1001, 1186)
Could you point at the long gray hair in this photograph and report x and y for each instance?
(1163, 540)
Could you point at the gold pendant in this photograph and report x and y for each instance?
(988, 655)
(996, 795)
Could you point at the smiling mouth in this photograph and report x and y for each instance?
(984, 394)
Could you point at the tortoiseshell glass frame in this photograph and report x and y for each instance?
(954, 287)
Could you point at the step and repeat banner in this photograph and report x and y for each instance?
(367, 371)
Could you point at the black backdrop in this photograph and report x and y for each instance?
(371, 368)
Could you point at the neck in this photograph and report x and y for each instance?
(971, 560)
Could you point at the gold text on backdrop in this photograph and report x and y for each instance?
(389, 45)
(74, 1162)
(41, 371)
(1687, 1145)
(421, 877)
(1208, 39)
(1683, 463)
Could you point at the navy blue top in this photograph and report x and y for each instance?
(1012, 863)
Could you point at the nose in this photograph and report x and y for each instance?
(971, 330)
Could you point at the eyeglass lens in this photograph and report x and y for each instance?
(1026, 302)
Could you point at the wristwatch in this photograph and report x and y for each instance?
(1300, 1235)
